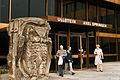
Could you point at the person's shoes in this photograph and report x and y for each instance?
(73, 73)
(101, 71)
(97, 71)
(61, 75)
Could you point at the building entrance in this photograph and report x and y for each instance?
(78, 42)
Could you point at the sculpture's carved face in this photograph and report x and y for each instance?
(33, 36)
(41, 31)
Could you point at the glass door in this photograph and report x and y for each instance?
(90, 51)
(77, 42)
(87, 43)
(61, 39)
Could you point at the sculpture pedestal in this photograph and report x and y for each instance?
(5, 77)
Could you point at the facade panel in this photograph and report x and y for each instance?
(51, 7)
(37, 8)
(19, 8)
(4, 5)
(114, 1)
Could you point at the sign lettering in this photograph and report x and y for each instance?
(66, 20)
(87, 23)
(94, 24)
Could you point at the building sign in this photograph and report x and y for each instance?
(94, 24)
(77, 22)
(66, 20)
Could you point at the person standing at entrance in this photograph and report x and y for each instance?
(69, 60)
(81, 51)
(61, 54)
(98, 58)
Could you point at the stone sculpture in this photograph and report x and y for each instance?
(29, 55)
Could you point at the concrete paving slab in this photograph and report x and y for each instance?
(111, 72)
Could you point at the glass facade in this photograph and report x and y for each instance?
(118, 49)
(118, 23)
(4, 43)
(108, 46)
(74, 9)
(69, 9)
(80, 12)
(51, 7)
(28, 8)
(37, 8)
(19, 8)
(54, 7)
(92, 13)
(102, 15)
(4, 10)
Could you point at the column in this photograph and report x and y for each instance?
(46, 7)
(61, 8)
(0, 9)
(10, 9)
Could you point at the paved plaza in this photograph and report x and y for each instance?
(111, 72)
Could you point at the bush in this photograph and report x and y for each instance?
(3, 69)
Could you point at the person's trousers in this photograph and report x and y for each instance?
(70, 66)
(61, 70)
(66, 67)
(99, 67)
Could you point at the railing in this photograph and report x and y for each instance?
(92, 55)
(3, 57)
(73, 56)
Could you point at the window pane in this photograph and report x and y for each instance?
(91, 42)
(102, 16)
(4, 10)
(112, 42)
(80, 11)
(110, 16)
(104, 43)
(69, 9)
(54, 7)
(119, 48)
(51, 7)
(74, 43)
(111, 19)
(19, 8)
(63, 41)
(118, 22)
(92, 13)
(4, 43)
(37, 8)
(108, 45)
